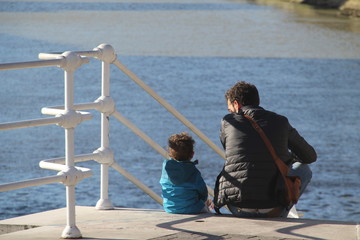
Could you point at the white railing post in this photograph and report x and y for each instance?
(104, 202)
(71, 231)
(73, 61)
(107, 55)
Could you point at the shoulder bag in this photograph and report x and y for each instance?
(292, 183)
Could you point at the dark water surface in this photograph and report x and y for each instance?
(319, 95)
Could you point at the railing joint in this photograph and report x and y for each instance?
(105, 105)
(71, 118)
(105, 53)
(72, 176)
(104, 156)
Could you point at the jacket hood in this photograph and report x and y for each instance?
(180, 171)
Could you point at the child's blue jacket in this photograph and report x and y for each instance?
(183, 188)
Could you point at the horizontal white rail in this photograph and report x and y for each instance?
(91, 53)
(46, 164)
(32, 182)
(49, 56)
(52, 164)
(54, 110)
(42, 121)
(171, 109)
(30, 123)
(77, 158)
(32, 64)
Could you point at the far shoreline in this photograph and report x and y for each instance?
(349, 8)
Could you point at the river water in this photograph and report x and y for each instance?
(305, 62)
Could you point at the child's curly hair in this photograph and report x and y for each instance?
(181, 146)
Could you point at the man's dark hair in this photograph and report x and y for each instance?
(244, 93)
(181, 146)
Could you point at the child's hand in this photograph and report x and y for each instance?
(209, 203)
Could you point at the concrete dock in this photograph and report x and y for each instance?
(130, 223)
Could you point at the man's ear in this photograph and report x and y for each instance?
(237, 106)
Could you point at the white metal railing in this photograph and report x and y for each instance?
(70, 115)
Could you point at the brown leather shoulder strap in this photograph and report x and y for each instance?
(280, 164)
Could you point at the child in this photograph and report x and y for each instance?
(183, 188)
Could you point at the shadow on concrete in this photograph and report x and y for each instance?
(187, 233)
(290, 231)
(306, 223)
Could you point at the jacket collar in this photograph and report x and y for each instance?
(250, 110)
(195, 162)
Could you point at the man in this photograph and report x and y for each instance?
(250, 183)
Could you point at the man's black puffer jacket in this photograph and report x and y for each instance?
(250, 178)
